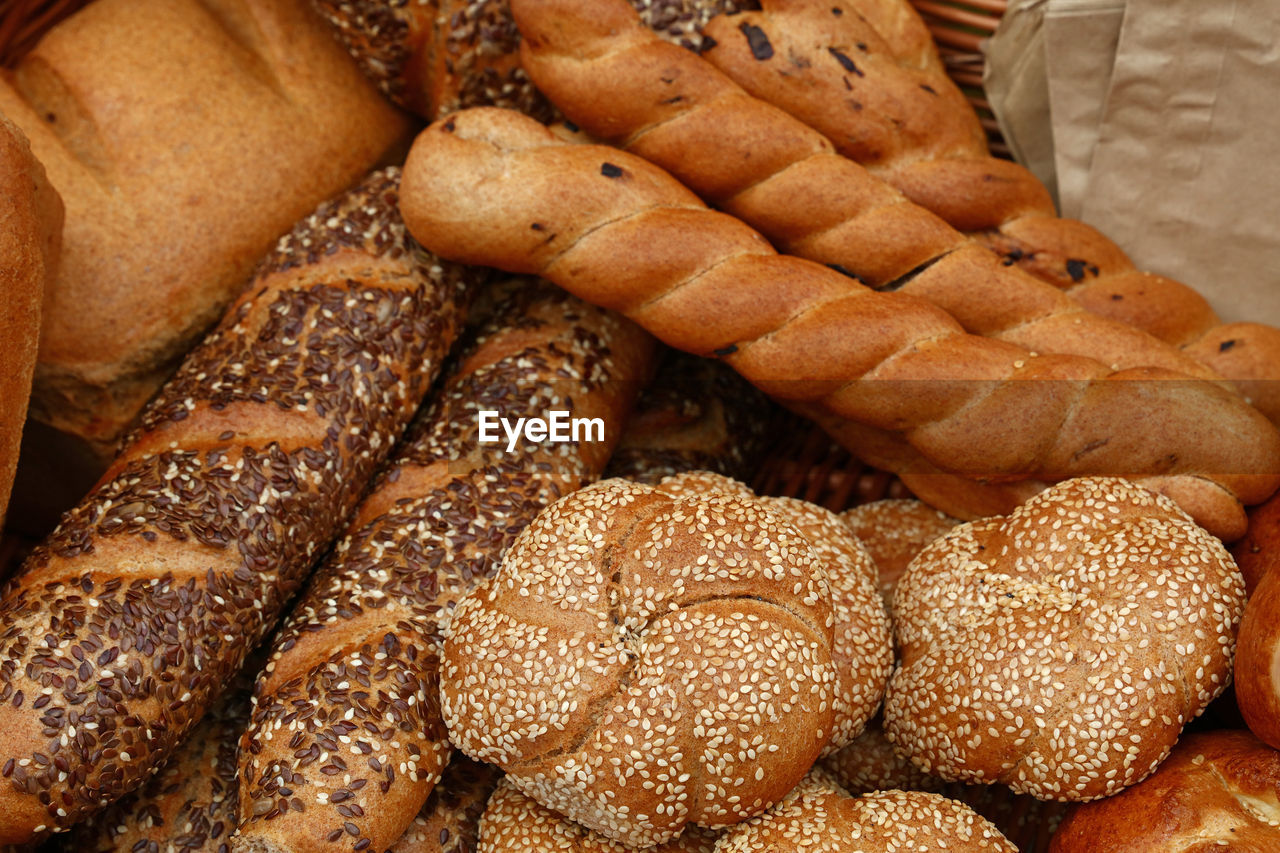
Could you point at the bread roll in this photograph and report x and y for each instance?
(1257, 666)
(346, 741)
(184, 137)
(127, 622)
(1028, 642)
(30, 241)
(893, 532)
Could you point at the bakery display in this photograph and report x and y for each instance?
(346, 740)
(820, 817)
(494, 187)
(185, 138)
(30, 244)
(1061, 649)
(1218, 791)
(126, 622)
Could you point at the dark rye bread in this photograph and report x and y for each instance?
(124, 625)
(30, 239)
(494, 187)
(346, 740)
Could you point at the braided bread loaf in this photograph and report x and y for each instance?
(494, 187)
(346, 741)
(620, 82)
(867, 76)
(127, 622)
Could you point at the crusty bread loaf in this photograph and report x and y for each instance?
(642, 662)
(1028, 655)
(893, 532)
(495, 187)
(184, 137)
(866, 74)
(30, 240)
(346, 741)
(1257, 667)
(450, 820)
(1218, 791)
(1258, 551)
(125, 624)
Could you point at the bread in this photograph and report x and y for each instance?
(494, 187)
(820, 817)
(696, 415)
(190, 804)
(358, 658)
(30, 239)
(450, 820)
(1028, 653)
(184, 137)
(515, 823)
(893, 532)
(867, 76)
(124, 625)
(1258, 551)
(643, 662)
(1217, 791)
(1257, 666)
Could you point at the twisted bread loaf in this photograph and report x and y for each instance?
(620, 82)
(494, 187)
(125, 624)
(867, 76)
(346, 740)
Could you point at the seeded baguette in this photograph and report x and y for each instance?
(866, 74)
(346, 741)
(494, 187)
(134, 614)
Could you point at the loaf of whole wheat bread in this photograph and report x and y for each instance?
(131, 617)
(184, 137)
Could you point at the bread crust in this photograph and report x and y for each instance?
(30, 239)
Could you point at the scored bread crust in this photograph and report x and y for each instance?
(642, 661)
(495, 187)
(30, 239)
(132, 616)
(346, 741)
(1061, 649)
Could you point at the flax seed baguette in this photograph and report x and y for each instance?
(346, 741)
(866, 74)
(30, 241)
(495, 187)
(129, 619)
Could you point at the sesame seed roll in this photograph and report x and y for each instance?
(134, 614)
(346, 741)
(642, 662)
(893, 532)
(1061, 649)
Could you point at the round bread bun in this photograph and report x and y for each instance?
(893, 531)
(515, 823)
(30, 238)
(642, 661)
(1217, 791)
(818, 816)
(863, 646)
(1061, 649)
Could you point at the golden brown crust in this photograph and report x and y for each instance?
(30, 238)
(450, 820)
(893, 532)
(1257, 668)
(1217, 791)
(1028, 655)
(682, 641)
(346, 741)
(491, 186)
(136, 611)
(184, 137)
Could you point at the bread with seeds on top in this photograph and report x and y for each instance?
(30, 241)
(125, 624)
(1217, 791)
(516, 823)
(819, 816)
(346, 741)
(1061, 649)
(642, 662)
(450, 820)
(893, 531)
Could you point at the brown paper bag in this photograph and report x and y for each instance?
(1185, 175)
(1015, 84)
(1080, 39)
